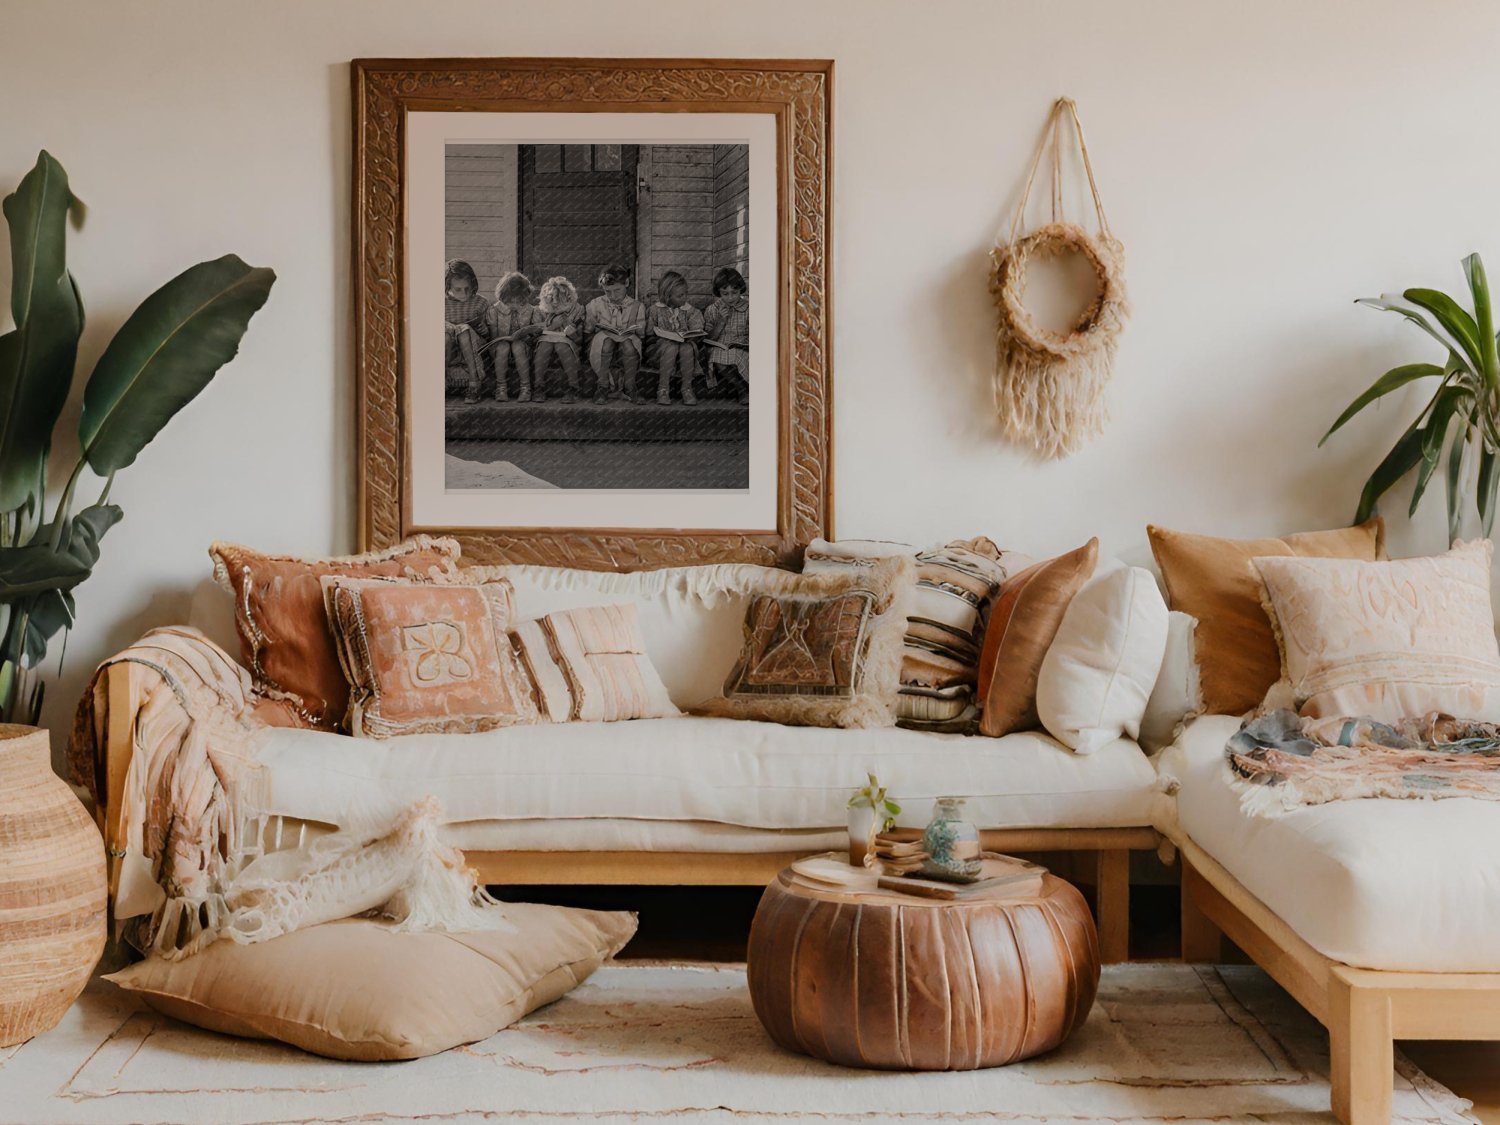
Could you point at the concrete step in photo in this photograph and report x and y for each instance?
(554, 420)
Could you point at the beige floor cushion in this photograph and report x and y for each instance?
(358, 990)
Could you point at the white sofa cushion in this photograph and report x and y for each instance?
(731, 771)
(1378, 884)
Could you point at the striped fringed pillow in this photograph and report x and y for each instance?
(956, 584)
(590, 665)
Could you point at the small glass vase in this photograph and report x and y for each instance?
(861, 831)
(951, 843)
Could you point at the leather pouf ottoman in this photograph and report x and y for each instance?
(889, 980)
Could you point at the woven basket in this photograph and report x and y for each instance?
(52, 889)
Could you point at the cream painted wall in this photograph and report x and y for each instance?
(1264, 164)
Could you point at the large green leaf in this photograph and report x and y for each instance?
(1393, 379)
(1394, 302)
(1488, 480)
(1484, 317)
(1402, 458)
(1448, 402)
(80, 536)
(1454, 318)
(164, 355)
(35, 568)
(1455, 473)
(37, 356)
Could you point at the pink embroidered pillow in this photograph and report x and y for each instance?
(1390, 640)
(590, 665)
(427, 657)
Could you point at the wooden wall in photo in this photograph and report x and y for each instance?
(676, 217)
(731, 237)
(480, 193)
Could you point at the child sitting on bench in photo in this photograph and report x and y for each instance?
(514, 323)
(616, 324)
(727, 324)
(464, 329)
(561, 318)
(675, 328)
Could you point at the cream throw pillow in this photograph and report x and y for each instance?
(356, 990)
(1098, 673)
(590, 665)
(1390, 640)
(1177, 693)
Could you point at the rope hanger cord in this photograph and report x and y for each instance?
(1049, 386)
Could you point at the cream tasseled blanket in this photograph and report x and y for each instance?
(190, 842)
(1281, 761)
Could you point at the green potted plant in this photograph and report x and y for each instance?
(164, 354)
(870, 811)
(1456, 427)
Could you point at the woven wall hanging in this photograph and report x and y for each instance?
(1049, 386)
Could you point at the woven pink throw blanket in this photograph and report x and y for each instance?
(1280, 761)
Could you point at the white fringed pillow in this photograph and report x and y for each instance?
(1098, 673)
(1178, 694)
(1388, 640)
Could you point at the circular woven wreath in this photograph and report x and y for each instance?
(1096, 326)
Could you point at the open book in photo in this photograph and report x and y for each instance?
(677, 337)
(557, 337)
(726, 347)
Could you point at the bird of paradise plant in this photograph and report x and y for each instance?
(1457, 427)
(162, 356)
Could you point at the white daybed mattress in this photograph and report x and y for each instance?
(723, 771)
(1378, 884)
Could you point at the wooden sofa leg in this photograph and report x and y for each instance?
(1202, 941)
(1361, 1052)
(1112, 886)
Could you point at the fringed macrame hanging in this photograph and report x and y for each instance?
(1049, 386)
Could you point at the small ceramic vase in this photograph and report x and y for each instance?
(951, 843)
(861, 832)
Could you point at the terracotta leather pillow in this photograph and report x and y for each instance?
(357, 990)
(427, 657)
(285, 640)
(1023, 622)
(1214, 580)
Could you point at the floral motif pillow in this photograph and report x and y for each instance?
(427, 657)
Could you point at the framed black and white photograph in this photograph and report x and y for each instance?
(591, 292)
(604, 299)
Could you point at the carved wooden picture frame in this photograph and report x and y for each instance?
(388, 96)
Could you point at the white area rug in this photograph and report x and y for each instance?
(649, 1042)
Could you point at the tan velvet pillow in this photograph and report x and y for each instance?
(1214, 580)
(356, 990)
(1389, 640)
(590, 665)
(823, 649)
(1025, 618)
(427, 657)
(285, 640)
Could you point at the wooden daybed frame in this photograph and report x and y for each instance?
(1111, 846)
(1364, 1010)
